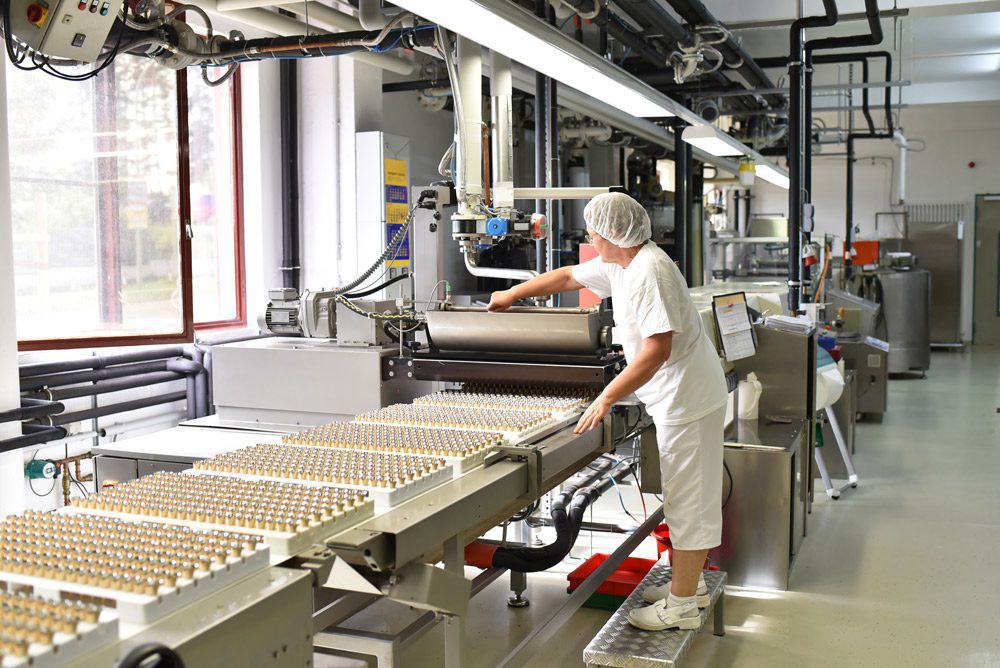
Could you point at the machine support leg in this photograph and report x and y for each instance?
(852, 475)
(454, 629)
(718, 616)
(831, 491)
(519, 581)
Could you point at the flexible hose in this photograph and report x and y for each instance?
(397, 238)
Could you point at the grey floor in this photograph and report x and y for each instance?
(902, 571)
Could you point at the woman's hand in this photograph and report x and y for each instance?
(501, 301)
(594, 414)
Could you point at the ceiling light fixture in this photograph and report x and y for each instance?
(709, 139)
(519, 35)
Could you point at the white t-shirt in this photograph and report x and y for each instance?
(651, 297)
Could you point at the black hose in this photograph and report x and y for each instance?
(578, 496)
(371, 291)
(151, 655)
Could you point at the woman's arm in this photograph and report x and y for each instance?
(655, 351)
(549, 283)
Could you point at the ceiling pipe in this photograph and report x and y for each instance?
(695, 13)
(874, 37)
(795, 152)
(277, 24)
(370, 14)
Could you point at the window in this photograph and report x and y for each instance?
(101, 193)
(216, 205)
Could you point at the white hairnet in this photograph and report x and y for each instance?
(619, 219)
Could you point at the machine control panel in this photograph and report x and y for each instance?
(73, 29)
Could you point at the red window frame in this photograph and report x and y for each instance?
(187, 333)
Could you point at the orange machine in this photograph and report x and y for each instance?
(867, 253)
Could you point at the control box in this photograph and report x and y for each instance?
(73, 29)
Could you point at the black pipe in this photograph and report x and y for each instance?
(422, 84)
(682, 195)
(31, 408)
(695, 13)
(540, 114)
(603, 20)
(655, 16)
(873, 37)
(32, 434)
(795, 153)
(98, 361)
(116, 385)
(555, 168)
(695, 216)
(123, 407)
(289, 174)
(73, 378)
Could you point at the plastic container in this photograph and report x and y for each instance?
(749, 397)
(662, 535)
(619, 584)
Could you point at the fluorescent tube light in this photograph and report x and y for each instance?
(505, 28)
(711, 140)
(772, 175)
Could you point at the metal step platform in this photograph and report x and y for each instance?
(621, 645)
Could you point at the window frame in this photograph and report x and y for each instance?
(235, 97)
(189, 326)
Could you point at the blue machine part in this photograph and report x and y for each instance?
(497, 226)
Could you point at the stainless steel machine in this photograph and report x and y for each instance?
(904, 293)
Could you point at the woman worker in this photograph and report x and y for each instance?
(674, 369)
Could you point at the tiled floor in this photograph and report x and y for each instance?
(902, 571)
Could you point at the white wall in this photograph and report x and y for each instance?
(11, 494)
(955, 135)
(261, 183)
(430, 133)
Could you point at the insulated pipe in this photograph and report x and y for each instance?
(33, 434)
(289, 117)
(123, 407)
(121, 371)
(277, 24)
(470, 77)
(795, 125)
(107, 387)
(72, 378)
(502, 89)
(497, 272)
(98, 361)
(32, 408)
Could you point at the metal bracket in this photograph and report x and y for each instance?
(397, 367)
(532, 456)
(318, 560)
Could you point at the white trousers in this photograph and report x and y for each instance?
(691, 473)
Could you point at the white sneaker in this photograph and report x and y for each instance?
(659, 617)
(659, 593)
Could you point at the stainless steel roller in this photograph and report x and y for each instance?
(553, 331)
